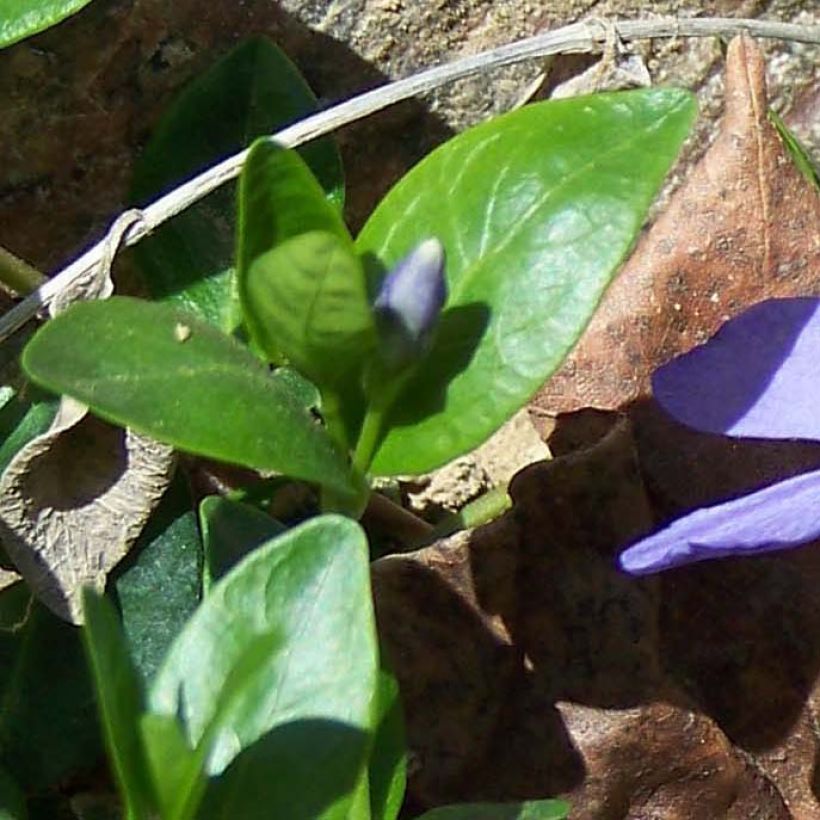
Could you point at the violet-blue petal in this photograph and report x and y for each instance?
(779, 517)
(759, 376)
(410, 301)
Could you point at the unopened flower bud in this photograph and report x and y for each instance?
(409, 304)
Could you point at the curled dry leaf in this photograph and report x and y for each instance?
(744, 227)
(530, 666)
(74, 500)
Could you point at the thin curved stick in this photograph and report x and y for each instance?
(589, 35)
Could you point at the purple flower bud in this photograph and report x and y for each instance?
(409, 304)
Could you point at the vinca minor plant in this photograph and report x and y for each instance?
(332, 360)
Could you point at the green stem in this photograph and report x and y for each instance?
(482, 510)
(369, 437)
(18, 275)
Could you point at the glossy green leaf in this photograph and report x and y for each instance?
(536, 209)
(48, 723)
(802, 158)
(316, 765)
(307, 299)
(180, 380)
(252, 91)
(22, 18)
(120, 697)
(12, 801)
(529, 810)
(287, 635)
(231, 530)
(387, 773)
(158, 585)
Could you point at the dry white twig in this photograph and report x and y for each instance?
(586, 36)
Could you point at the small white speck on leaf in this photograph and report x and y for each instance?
(182, 332)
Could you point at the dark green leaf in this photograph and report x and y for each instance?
(231, 530)
(388, 757)
(180, 380)
(254, 90)
(21, 420)
(159, 588)
(48, 723)
(12, 801)
(802, 158)
(536, 209)
(307, 299)
(530, 810)
(287, 635)
(120, 697)
(22, 18)
(317, 764)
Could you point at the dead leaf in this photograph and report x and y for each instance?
(530, 666)
(744, 227)
(74, 499)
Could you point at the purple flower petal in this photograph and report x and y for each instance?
(759, 376)
(778, 517)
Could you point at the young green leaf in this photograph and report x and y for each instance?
(22, 18)
(159, 586)
(180, 380)
(802, 158)
(120, 697)
(530, 810)
(286, 635)
(307, 299)
(21, 420)
(535, 209)
(252, 91)
(231, 530)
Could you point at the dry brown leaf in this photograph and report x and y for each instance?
(530, 666)
(744, 227)
(74, 500)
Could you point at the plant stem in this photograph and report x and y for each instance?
(17, 275)
(368, 437)
(482, 510)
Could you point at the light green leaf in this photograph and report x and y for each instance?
(22, 18)
(529, 810)
(387, 774)
(180, 380)
(254, 90)
(119, 693)
(307, 299)
(287, 635)
(802, 158)
(536, 209)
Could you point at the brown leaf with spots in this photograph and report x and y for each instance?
(744, 227)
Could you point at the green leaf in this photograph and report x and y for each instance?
(388, 757)
(536, 209)
(316, 765)
(802, 158)
(48, 721)
(180, 380)
(530, 810)
(231, 530)
(12, 801)
(176, 770)
(119, 692)
(22, 419)
(287, 635)
(252, 91)
(279, 198)
(159, 585)
(22, 18)
(307, 299)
